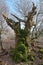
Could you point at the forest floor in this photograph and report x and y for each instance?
(6, 60)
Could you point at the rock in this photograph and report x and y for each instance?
(8, 38)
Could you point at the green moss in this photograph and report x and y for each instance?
(40, 56)
(20, 53)
(21, 47)
(39, 47)
(41, 51)
(31, 57)
(41, 63)
(32, 42)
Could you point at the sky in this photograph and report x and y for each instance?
(13, 8)
(10, 6)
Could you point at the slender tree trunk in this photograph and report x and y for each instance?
(1, 47)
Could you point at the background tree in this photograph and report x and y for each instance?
(0, 35)
(2, 51)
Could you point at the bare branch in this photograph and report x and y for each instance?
(14, 25)
(10, 22)
(29, 21)
(17, 18)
